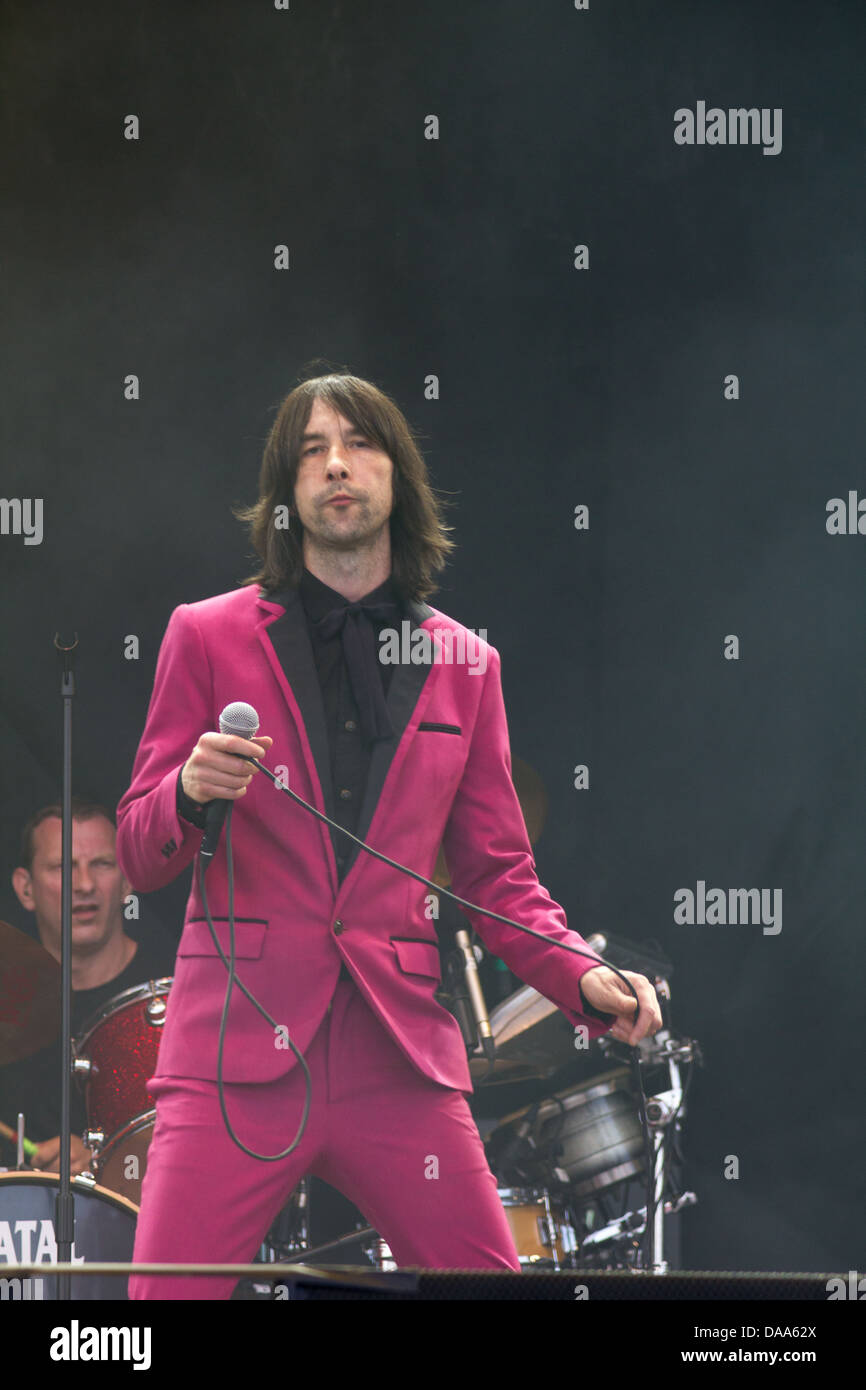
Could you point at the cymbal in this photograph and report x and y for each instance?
(533, 804)
(29, 995)
(533, 1039)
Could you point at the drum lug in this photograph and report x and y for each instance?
(155, 1012)
(545, 1234)
(93, 1139)
(379, 1253)
(81, 1066)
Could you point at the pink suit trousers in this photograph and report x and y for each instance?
(403, 1148)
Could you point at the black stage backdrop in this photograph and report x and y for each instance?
(692, 377)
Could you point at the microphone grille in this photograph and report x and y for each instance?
(239, 719)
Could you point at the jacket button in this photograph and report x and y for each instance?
(338, 928)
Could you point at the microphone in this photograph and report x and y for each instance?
(242, 720)
(476, 997)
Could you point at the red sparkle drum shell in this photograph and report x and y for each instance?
(121, 1042)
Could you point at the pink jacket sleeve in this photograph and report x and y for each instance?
(154, 844)
(490, 861)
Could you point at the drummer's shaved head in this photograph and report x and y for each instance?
(81, 810)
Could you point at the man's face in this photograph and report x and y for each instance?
(337, 460)
(98, 886)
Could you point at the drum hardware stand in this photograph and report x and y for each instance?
(663, 1110)
(275, 1250)
(634, 1222)
(65, 1202)
(363, 1233)
(298, 1241)
(549, 1231)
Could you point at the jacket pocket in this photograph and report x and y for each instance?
(430, 728)
(249, 937)
(417, 957)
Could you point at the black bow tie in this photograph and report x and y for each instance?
(356, 622)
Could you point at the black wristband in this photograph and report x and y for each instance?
(188, 809)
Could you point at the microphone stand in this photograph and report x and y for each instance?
(64, 1208)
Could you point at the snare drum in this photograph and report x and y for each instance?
(539, 1225)
(120, 1045)
(104, 1231)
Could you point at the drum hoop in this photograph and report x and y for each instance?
(90, 1189)
(151, 989)
(590, 1089)
(608, 1177)
(516, 1198)
(147, 1117)
(609, 1084)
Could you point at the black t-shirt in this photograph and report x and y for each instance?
(32, 1085)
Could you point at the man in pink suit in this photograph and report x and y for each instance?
(339, 948)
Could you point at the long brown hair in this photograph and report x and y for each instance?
(419, 537)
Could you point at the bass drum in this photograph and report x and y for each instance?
(104, 1231)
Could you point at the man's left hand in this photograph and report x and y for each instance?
(605, 991)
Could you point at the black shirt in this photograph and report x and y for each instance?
(350, 754)
(32, 1085)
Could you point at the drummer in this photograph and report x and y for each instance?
(105, 961)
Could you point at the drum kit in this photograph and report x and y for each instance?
(113, 1060)
(576, 1154)
(565, 1159)
(571, 1165)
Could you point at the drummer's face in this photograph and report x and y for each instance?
(98, 885)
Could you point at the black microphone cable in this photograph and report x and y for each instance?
(230, 983)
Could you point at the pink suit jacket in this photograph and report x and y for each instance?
(444, 777)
